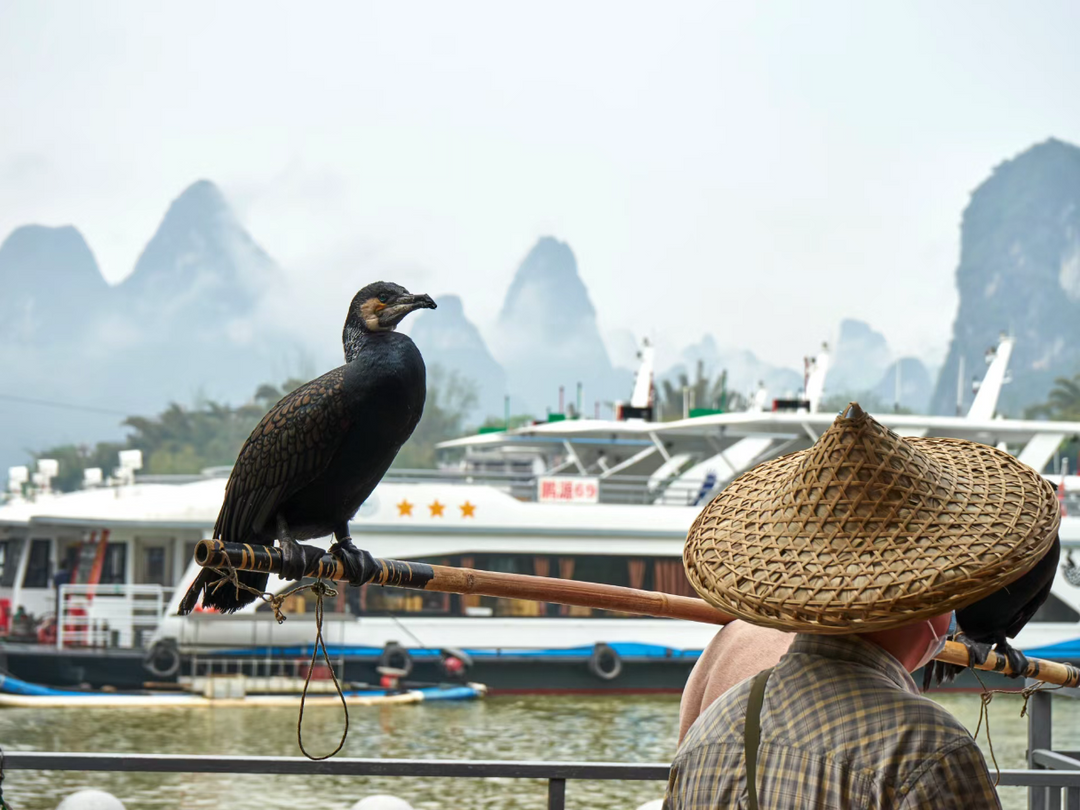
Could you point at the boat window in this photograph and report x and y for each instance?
(608, 570)
(114, 566)
(377, 600)
(1056, 610)
(634, 572)
(382, 600)
(663, 574)
(69, 558)
(9, 560)
(669, 577)
(526, 564)
(38, 567)
(154, 566)
(152, 561)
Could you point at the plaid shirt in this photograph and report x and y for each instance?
(842, 726)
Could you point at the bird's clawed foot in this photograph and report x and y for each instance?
(359, 565)
(977, 652)
(293, 564)
(1018, 662)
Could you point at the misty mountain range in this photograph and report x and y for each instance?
(200, 315)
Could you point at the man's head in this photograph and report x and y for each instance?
(913, 645)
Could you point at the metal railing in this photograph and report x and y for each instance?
(1044, 780)
(120, 615)
(1043, 759)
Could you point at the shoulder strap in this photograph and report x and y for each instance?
(752, 735)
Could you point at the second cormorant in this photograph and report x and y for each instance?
(318, 454)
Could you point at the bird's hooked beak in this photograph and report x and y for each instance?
(391, 316)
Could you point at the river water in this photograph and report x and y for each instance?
(615, 728)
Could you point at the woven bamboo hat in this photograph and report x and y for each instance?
(867, 530)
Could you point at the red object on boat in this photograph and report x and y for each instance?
(5, 616)
(46, 634)
(75, 628)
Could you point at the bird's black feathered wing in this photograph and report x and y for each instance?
(288, 449)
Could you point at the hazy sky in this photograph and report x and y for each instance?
(754, 170)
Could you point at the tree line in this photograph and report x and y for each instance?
(189, 439)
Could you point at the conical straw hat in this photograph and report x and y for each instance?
(867, 530)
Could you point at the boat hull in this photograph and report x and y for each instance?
(556, 672)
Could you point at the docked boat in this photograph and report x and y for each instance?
(594, 500)
(230, 691)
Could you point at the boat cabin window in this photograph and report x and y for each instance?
(1055, 610)
(39, 566)
(69, 557)
(9, 560)
(114, 566)
(153, 561)
(663, 574)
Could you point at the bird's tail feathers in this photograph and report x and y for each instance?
(225, 597)
(937, 673)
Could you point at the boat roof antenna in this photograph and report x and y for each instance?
(18, 477)
(130, 461)
(759, 399)
(989, 390)
(47, 470)
(642, 396)
(817, 368)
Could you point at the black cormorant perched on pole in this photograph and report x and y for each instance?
(998, 617)
(317, 455)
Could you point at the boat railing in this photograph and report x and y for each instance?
(113, 615)
(619, 489)
(1045, 781)
(279, 667)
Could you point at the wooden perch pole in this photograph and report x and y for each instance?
(446, 579)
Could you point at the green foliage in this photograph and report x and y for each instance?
(1062, 404)
(179, 440)
(704, 393)
(450, 397)
(516, 420)
(182, 440)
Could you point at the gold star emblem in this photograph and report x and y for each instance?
(468, 509)
(404, 509)
(436, 509)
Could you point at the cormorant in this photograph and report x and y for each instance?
(317, 455)
(1000, 616)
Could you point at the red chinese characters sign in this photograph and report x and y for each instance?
(568, 489)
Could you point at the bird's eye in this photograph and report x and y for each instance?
(384, 298)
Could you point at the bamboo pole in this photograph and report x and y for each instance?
(447, 579)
